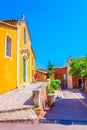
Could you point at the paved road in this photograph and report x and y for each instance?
(73, 106)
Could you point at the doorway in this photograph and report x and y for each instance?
(79, 83)
(24, 70)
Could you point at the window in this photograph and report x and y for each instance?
(8, 46)
(64, 76)
(24, 36)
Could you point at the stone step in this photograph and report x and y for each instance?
(18, 108)
(19, 116)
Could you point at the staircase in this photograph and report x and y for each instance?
(23, 114)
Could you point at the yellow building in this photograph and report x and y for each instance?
(17, 58)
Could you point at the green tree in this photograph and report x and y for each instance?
(50, 69)
(78, 67)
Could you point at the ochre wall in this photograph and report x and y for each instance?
(74, 81)
(24, 46)
(30, 67)
(41, 76)
(7, 65)
(33, 65)
(59, 74)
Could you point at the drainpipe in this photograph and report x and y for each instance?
(18, 46)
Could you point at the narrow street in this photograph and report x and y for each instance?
(72, 106)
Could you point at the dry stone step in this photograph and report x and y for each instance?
(18, 116)
(18, 108)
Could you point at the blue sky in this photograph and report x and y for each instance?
(58, 28)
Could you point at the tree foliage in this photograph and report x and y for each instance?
(50, 68)
(78, 67)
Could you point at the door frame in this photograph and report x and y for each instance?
(24, 70)
(78, 82)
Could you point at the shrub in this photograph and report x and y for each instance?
(56, 81)
(49, 90)
(54, 85)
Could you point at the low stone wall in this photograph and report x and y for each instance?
(39, 99)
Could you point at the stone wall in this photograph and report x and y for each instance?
(75, 81)
(39, 99)
(41, 76)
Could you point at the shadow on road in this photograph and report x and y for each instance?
(67, 111)
(63, 122)
(28, 101)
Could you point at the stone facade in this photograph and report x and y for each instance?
(41, 75)
(76, 81)
(39, 99)
(69, 77)
(61, 74)
(17, 58)
(73, 81)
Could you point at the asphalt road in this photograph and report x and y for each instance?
(72, 107)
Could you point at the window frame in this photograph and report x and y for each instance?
(64, 76)
(6, 55)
